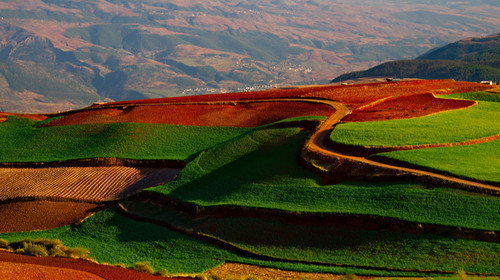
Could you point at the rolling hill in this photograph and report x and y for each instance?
(471, 59)
(378, 180)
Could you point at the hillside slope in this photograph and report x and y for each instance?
(471, 59)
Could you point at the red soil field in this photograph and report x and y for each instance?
(25, 215)
(409, 106)
(15, 271)
(103, 271)
(97, 184)
(351, 95)
(237, 114)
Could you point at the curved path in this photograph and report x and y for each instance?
(317, 142)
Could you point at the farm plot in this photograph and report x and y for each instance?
(235, 114)
(273, 178)
(478, 96)
(23, 140)
(80, 183)
(405, 107)
(112, 238)
(301, 240)
(454, 126)
(74, 265)
(480, 161)
(25, 215)
(352, 95)
(13, 271)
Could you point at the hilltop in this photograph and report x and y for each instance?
(57, 55)
(471, 59)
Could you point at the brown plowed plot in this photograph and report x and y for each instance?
(241, 114)
(25, 215)
(81, 183)
(16, 271)
(352, 95)
(406, 107)
(103, 271)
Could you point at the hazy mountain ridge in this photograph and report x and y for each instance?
(134, 49)
(471, 59)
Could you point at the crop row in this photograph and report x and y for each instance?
(80, 183)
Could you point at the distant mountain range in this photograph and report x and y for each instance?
(472, 59)
(64, 54)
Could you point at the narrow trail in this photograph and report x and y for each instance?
(317, 142)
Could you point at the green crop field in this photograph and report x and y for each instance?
(329, 244)
(480, 161)
(478, 96)
(360, 247)
(24, 141)
(448, 127)
(273, 178)
(114, 239)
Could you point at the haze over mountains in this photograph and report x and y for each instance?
(64, 54)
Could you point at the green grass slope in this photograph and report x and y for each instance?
(113, 239)
(262, 169)
(24, 141)
(480, 161)
(448, 127)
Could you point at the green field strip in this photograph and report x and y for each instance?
(24, 141)
(448, 127)
(477, 95)
(114, 239)
(330, 245)
(479, 161)
(270, 176)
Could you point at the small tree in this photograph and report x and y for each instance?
(144, 267)
(4, 244)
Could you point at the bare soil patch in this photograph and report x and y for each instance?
(41, 214)
(234, 114)
(103, 271)
(15, 271)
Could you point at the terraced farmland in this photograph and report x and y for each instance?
(96, 184)
(261, 184)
